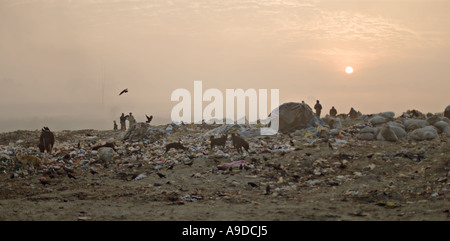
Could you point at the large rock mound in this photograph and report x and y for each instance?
(294, 116)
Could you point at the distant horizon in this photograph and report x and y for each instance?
(74, 122)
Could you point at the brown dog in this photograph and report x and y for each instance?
(239, 143)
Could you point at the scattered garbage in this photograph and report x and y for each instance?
(308, 155)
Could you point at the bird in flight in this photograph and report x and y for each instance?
(124, 91)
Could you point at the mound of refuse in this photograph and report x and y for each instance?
(143, 132)
(294, 116)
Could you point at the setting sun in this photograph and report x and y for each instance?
(349, 70)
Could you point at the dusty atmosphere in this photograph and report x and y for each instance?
(311, 174)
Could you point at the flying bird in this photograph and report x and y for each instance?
(124, 91)
(149, 118)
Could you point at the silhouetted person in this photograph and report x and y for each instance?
(131, 119)
(123, 118)
(333, 112)
(318, 108)
(115, 126)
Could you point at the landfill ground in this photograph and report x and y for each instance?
(308, 179)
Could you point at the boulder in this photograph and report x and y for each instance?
(424, 133)
(294, 116)
(377, 120)
(387, 134)
(399, 132)
(441, 126)
(389, 115)
(368, 129)
(413, 124)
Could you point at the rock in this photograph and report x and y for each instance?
(368, 129)
(105, 154)
(294, 116)
(413, 124)
(441, 125)
(446, 130)
(389, 115)
(367, 136)
(333, 122)
(433, 119)
(377, 120)
(399, 132)
(388, 134)
(447, 112)
(425, 133)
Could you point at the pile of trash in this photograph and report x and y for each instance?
(299, 127)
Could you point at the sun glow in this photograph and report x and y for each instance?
(348, 70)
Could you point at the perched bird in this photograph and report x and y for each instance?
(161, 175)
(67, 169)
(71, 176)
(149, 118)
(267, 190)
(124, 91)
(329, 145)
(252, 184)
(93, 172)
(43, 182)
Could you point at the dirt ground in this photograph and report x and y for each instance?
(357, 180)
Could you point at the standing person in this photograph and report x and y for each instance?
(333, 112)
(318, 108)
(131, 120)
(123, 118)
(115, 126)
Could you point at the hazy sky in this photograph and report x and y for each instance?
(63, 63)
